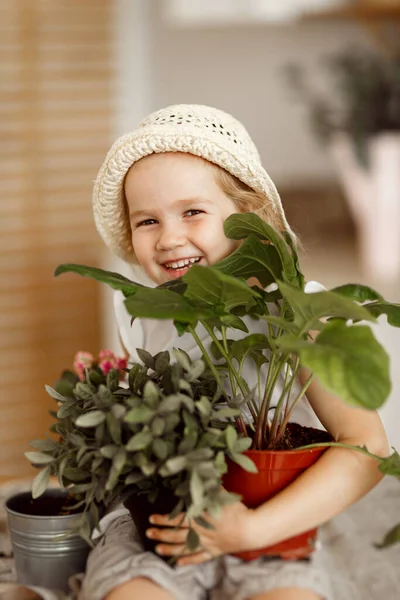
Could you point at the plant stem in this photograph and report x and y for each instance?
(207, 358)
(360, 449)
(231, 378)
(241, 383)
(275, 368)
(295, 402)
(286, 386)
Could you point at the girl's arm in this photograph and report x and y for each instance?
(337, 480)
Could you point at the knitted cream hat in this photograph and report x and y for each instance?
(200, 130)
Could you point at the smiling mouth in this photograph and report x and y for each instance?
(179, 265)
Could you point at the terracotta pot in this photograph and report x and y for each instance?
(276, 469)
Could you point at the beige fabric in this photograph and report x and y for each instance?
(200, 130)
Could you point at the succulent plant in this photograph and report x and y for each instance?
(165, 429)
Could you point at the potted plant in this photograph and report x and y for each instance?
(47, 549)
(157, 442)
(218, 298)
(358, 119)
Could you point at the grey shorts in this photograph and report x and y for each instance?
(119, 557)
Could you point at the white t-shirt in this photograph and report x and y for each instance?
(156, 335)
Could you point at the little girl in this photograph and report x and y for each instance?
(160, 202)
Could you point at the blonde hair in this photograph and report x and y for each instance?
(249, 200)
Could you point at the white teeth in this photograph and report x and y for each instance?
(180, 264)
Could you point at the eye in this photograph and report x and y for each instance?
(193, 211)
(146, 222)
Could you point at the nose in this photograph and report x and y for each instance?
(171, 236)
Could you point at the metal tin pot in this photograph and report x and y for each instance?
(44, 555)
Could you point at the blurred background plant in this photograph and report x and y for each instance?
(363, 100)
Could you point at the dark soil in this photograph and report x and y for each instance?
(297, 435)
(50, 504)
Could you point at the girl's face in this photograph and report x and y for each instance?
(177, 212)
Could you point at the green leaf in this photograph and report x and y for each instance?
(210, 287)
(142, 414)
(118, 464)
(231, 437)
(253, 259)
(196, 370)
(75, 475)
(392, 312)
(182, 358)
(114, 428)
(170, 404)
(83, 391)
(243, 444)
(244, 461)
(146, 358)
(149, 469)
(226, 412)
(188, 443)
(114, 280)
(160, 448)
(140, 441)
(134, 478)
(390, 465)
(234, 322)
(40, 483)
(105, 395)
(109, 450)
(177, 509)
(176, 464)
(196, 489)
(357, 292)
(158, 426)
(348, 361)
(220, 463)
(309, 308)
(65, 409)
(156, 303)
(392, 537)
(39, 458)
(240, 225)
(54, 394)
(112, 379)
(92, 418)
(171, 421)
(44, 445)
(251, 344)
(192, 540)
(151, 394)
(204, 406)
(162, 362)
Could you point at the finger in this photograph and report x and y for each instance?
(195, 559)
(174, 536)
(180, 520)
(171, 549)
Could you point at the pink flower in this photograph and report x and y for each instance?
(107, 361)
(82, 361)
(122, 363)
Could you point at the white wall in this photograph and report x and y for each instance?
(239, 69)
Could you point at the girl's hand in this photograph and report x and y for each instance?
(230, 535)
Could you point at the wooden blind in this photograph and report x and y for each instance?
(55, 122)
